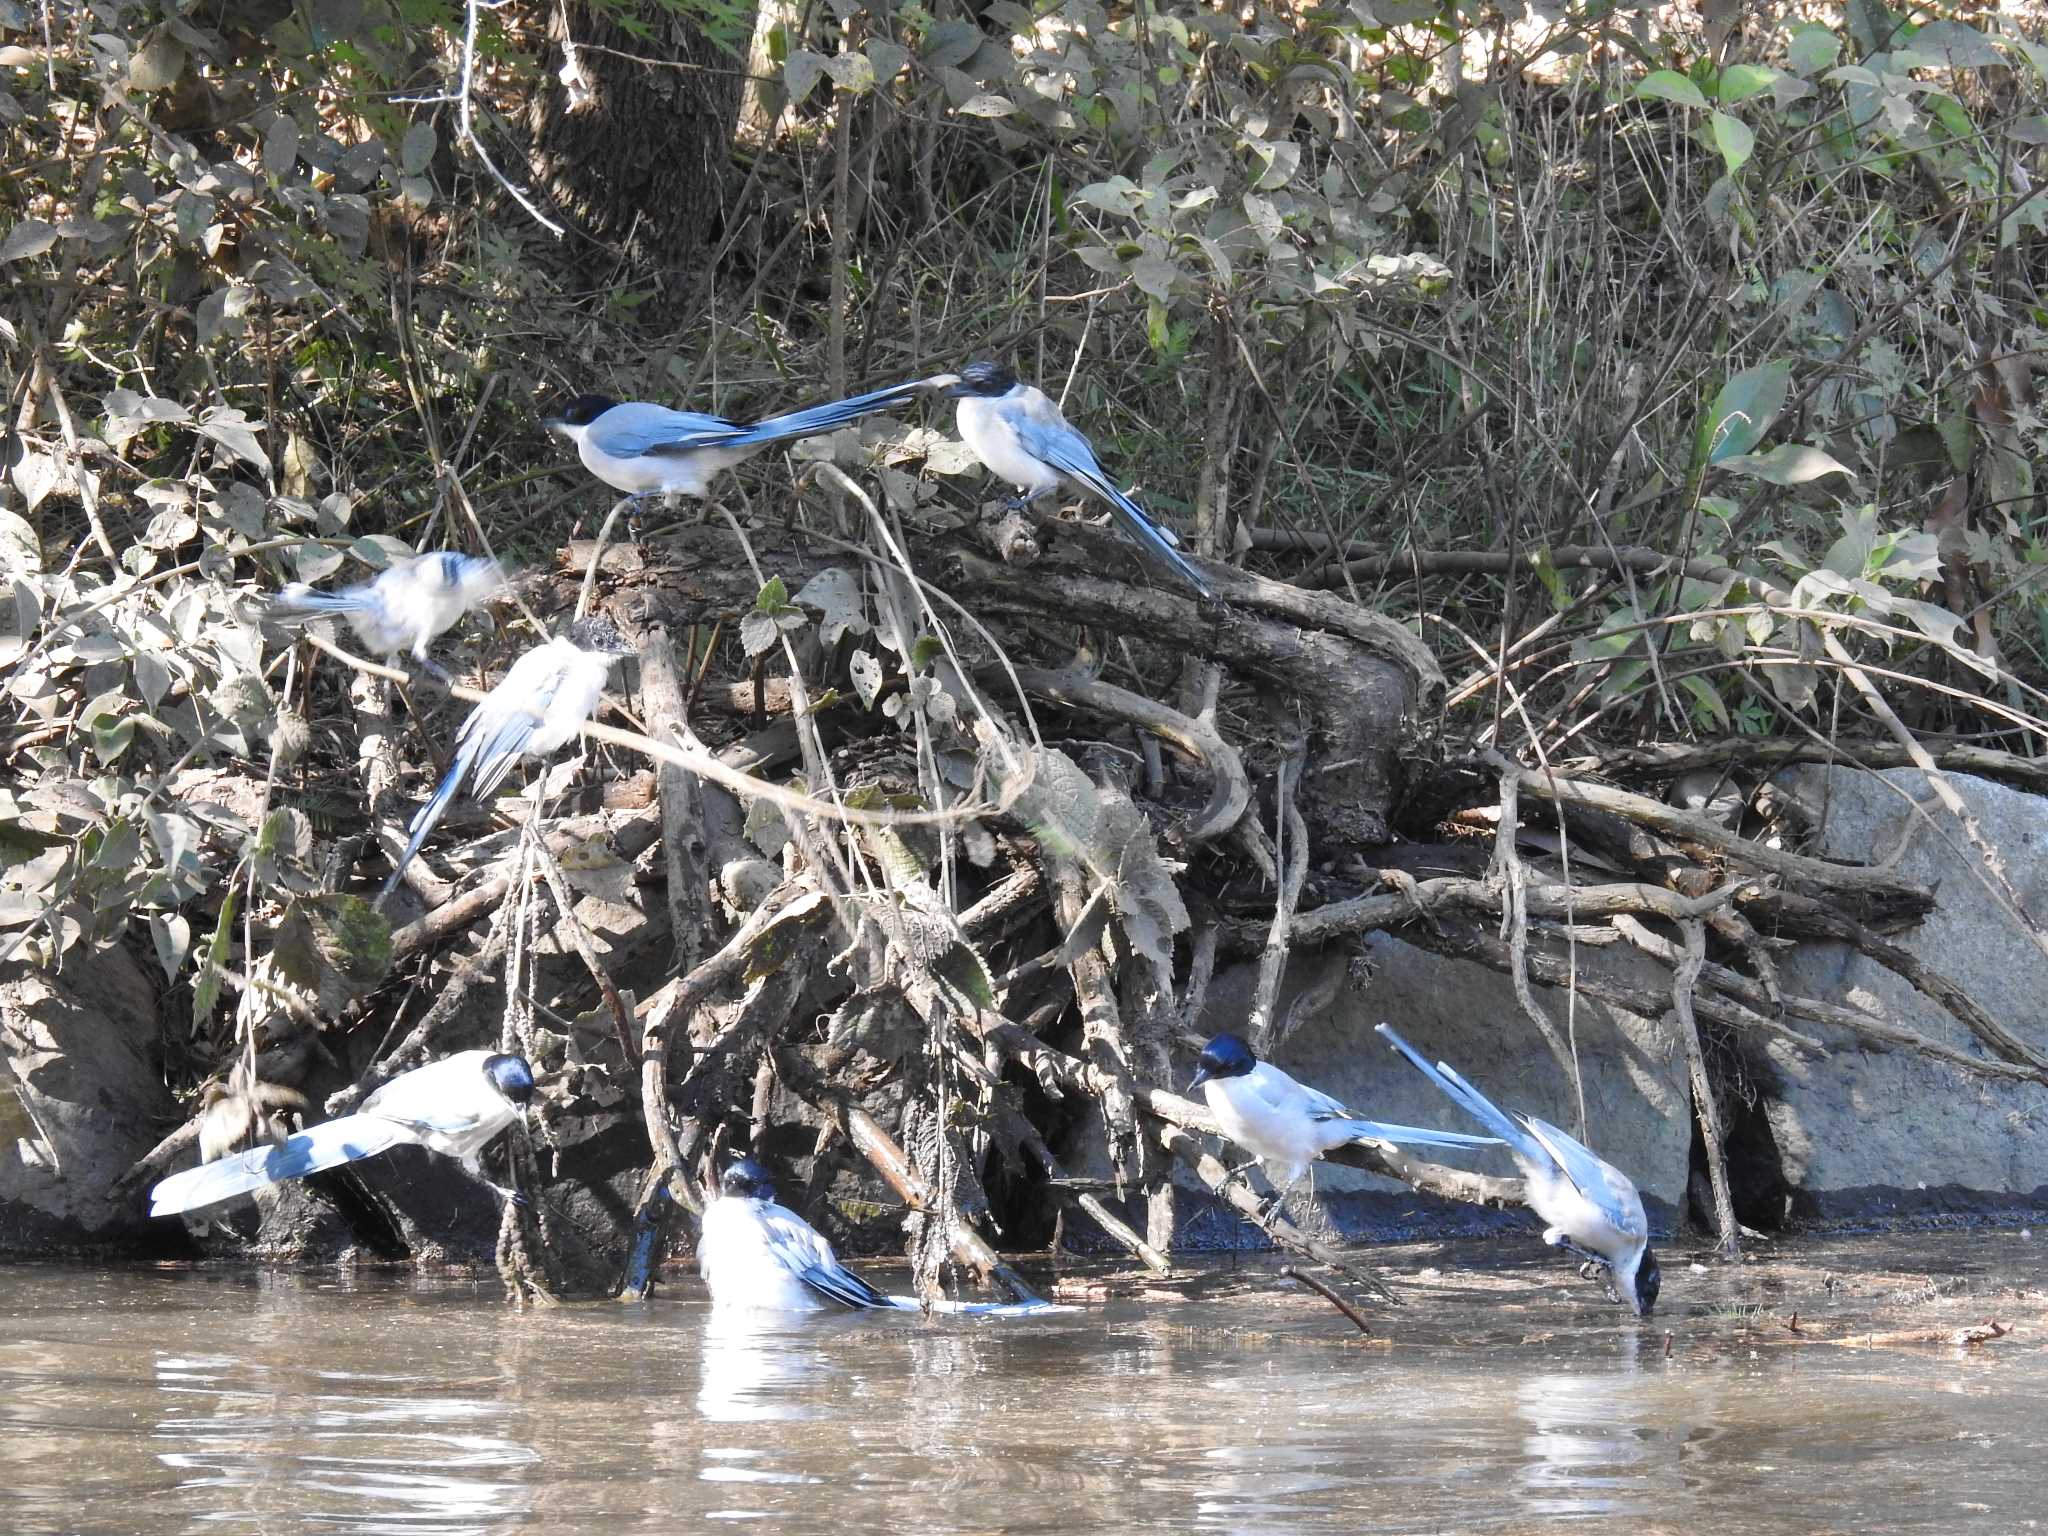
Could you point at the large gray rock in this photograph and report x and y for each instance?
(82, 1100)
(1638, 1100)
(1868, 1135)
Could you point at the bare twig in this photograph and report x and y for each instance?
(1708, 1112)
(1289, 1272)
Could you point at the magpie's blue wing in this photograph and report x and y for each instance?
(1046, 436)
(843, 1286)
(498, 730)
(1599, 1181)
(636, 429)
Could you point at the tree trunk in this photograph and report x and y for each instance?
(640, 162)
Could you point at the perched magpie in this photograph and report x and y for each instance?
(410, 603)
(1591, 1207)
(1285, 1124)
(455, 1106)
(1020, 436)
(539, 707)
(760, 1256)
(650, 450)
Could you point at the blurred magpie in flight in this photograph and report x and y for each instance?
(455, 1106)
(1285, 1124)
(1020, 436)
(539, 707)
(410, 603)
(760, 1256)
(1591, 1208)
(650, 450)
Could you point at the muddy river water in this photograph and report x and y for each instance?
(1820, 1388)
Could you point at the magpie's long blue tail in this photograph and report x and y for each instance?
(1137, 522)
(1414, 1135)
(323, 1146)
(423, 823)
(1471, 1100)
(814, 419)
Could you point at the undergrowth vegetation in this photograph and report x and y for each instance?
(1657, 370)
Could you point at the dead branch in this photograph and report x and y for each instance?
(1290, 840)
(791, 904)
(1231, 791)
(1238, 1195)
(1810, 919)
(1289, 1272)
(1687, 826)
(683, 846)
(1756, 756)
(1705, 1108)
(1360, 677)
(888, 1159)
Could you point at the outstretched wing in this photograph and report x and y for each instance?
(800, 1250)
(1610, 1190)
(1046, 436)
(323, 1146)
(636, 429)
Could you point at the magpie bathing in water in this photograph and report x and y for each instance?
(538, 708)
(455, 1106)
(1590, 1207)
(757, 1255)
(1287, 1125)
(1020, 436)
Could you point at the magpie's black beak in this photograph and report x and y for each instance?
(1201, 1076)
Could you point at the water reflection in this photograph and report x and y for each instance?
(147, 1403)
(407, 1458)
(755, 1366)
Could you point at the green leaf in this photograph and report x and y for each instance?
(416, 151)
(758, 632)
(336, 947)
(1813, 48)
(962, 972)
(1707, 703)
(206, 988)
(851, 72)
(1670, 85)
(1735, 139)
(1786, 464)
(234, 432)
(31, 237)
(926, 650)
(801, 75)
(1742, 411)
(1739, 82)
(1155, 275)
(773, 596)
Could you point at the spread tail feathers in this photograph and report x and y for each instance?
(324, 1146)
(1470, 1099)
(825, 418)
